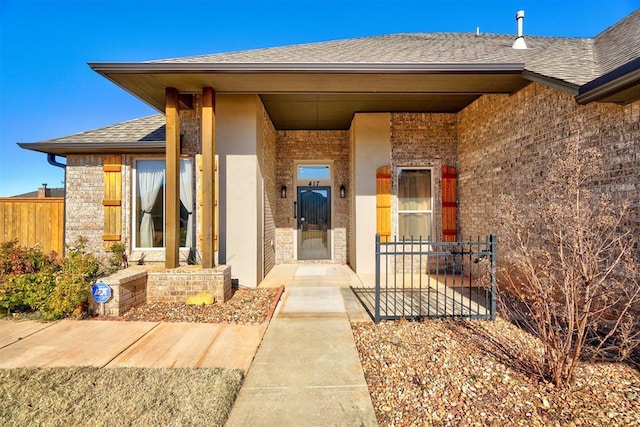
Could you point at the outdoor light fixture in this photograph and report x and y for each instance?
(283, 192)
(343, 191)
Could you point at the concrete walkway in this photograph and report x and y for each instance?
(110, 344)
(307, 371)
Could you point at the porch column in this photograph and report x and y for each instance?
(208, 176)
(172, 179)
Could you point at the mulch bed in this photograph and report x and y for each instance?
(246, 306)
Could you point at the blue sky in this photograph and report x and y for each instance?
(47, 90)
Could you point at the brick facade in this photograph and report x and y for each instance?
(84, 212)
(506, 142)
(271, 190)
(331, 146)
(423, 140)
(499, 144)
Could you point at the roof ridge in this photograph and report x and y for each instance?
(317, 44)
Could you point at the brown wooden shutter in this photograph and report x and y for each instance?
(383, 202)
(112, 202)
(449, 204)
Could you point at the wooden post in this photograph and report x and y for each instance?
(172, 179)
(208, 176)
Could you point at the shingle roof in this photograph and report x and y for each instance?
(573, 60)
(145, 129)
(567, 59)
(618, 44)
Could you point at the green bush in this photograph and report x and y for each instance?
(31, 281)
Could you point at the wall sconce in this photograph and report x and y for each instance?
(343, 191)
(283, 192)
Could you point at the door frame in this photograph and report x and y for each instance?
(305, 182)
(299, 190)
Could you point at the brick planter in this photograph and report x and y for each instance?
(178, 284)
(136, 286)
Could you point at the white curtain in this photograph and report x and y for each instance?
(186, 196)
(150, 177)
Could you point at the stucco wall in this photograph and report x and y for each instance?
(319, 146)
(371, 149)
(506, 142)
(241, 192)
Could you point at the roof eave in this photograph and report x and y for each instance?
(625, 78)
(558, 84)
(304, 67)
(64, 149)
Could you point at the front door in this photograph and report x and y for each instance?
(314, 223)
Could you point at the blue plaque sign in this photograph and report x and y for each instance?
(101, 292)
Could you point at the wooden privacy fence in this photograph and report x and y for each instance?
(33, 221)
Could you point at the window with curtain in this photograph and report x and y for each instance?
(415, 203)
(149, 203)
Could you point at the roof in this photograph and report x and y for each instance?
(567, 59)
(143, 135)
(321, 85)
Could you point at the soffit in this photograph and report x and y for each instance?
(327, 99)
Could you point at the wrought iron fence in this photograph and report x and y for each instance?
(418, 278)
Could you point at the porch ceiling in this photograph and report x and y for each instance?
(321, 96)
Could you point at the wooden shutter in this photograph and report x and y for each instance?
(112, 202)
(383, 202)
(449, 204)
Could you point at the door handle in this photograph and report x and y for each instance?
(295, 210)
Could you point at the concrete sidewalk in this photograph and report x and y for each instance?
(106, 343)
(307, 370)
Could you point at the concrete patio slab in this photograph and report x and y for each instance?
(15, 330)
(74, 343)
(180, 345)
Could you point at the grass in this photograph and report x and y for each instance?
(118, 396)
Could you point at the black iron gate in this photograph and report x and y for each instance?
(417, 279)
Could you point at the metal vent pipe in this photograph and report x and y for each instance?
(519, 42)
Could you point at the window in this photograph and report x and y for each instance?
(415, 203)
(313, 172)
(149, 203)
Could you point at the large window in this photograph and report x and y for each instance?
(415, 203)
(149, 203)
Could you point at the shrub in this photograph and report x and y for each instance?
(33, 281)
(118, 256)
(72, 282)
(571, 267)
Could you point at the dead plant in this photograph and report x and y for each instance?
(570, 266)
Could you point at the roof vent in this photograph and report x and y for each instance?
(519, 42)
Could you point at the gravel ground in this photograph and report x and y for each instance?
(451, 372)
(468, 373)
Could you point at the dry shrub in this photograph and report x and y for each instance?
(570, 270)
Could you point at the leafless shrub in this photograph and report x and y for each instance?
(570, 266)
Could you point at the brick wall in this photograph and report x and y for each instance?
(271, 190)
(84, 213)
(128, 288)
(176, 285)
(423, 140)
(506, 143)
(311, 145)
